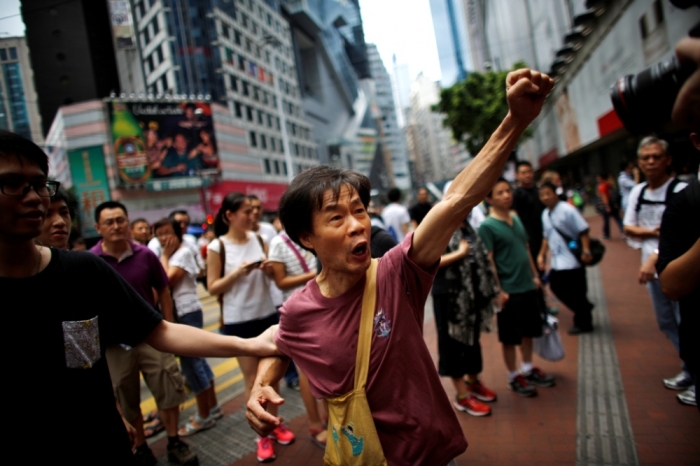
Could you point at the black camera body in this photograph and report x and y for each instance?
(644, 101)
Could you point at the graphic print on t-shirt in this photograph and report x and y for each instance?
(382, 325)
(82, 343)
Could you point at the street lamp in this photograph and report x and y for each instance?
(275, 43)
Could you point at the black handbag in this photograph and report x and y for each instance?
(597, 247)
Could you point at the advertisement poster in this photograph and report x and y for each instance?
(122, 24)
(164, 145)
(87, 167)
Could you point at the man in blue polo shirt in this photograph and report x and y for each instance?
(143, 271)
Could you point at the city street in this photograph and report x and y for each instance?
(608, 407)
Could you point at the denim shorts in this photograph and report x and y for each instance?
(196, 370)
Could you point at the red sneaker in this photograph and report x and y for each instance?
(480, 391)
(472, 406)
(283, 435)
(265, 450)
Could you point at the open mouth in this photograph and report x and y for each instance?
(360, 249)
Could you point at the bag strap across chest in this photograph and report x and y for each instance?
(364, 340)
(669, 192)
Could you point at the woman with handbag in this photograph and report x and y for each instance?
(463, 302)
(181, 267)
(235, 272)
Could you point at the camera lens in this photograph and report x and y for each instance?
(643, 102)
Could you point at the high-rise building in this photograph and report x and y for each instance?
(328, 41)
(19, 111)
(240, 54)
(432, 143)
(72, 55)
(451, 38)
(391, 135)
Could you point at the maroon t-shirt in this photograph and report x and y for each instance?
(142, 270)
(414, 418)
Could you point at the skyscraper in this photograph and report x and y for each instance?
(18, 99)
(451, 38)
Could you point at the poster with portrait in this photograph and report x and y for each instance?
(169, 141)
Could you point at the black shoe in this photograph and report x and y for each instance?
(539, 378)
(144, 456)
(180, 453)
(522, 387)
(577, 330)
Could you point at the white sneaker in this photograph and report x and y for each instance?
(680, 382)
(687, 397)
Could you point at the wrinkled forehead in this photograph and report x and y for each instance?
(331, 197)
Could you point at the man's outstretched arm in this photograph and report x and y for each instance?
(190, 341)
(526, 91)
(270, 371)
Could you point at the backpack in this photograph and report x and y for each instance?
(669, 192)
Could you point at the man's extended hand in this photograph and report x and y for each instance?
(526, 91)
(686, 111)
(259, 419)
(647, 272)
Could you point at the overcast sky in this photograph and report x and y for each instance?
(401, 27)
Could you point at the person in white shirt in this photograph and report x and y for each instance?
(561, 224)
(396, 218)
(189, 241)
(238, 276)
(642, 222)
(626, 180)
(181, 267)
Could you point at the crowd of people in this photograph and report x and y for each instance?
(317, 291)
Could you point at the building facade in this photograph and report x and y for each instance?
(240, 54)
(586, 46)
(391, 135)
(19, 110)
(329, 46)
(451, 38)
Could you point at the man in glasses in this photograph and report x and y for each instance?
(143, 271)
(63, 309)
(646, 205)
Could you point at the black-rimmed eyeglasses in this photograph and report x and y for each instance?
(21, 188)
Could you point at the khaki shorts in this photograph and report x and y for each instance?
(160, 372)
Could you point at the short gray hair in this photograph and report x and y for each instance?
(649, 140)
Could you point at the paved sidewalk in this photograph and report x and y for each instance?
(608, 407)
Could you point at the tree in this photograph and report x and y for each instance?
(475, 107)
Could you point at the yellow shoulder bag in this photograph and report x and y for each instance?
(352, 436)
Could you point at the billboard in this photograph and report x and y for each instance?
(164, 141)
(87, 167)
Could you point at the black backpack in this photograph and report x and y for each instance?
(669, 193)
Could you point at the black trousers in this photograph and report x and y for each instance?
(570, 288)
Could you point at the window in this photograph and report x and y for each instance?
(3, 54)
(156, 27)
(260, 117)
(267, 166)
(269, 121)
(246, 88)
(225, 30)
(263, 141)
(294, 129)
(159, 54)
(296, 149)
(253, 140)
(237, 36)
(277, 167)
(273, 144)
(13, 53)
(164, 80)
(238, 109)
(234, 84)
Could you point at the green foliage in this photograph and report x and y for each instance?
(475, 107)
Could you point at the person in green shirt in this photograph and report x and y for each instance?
(520, 318)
